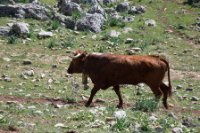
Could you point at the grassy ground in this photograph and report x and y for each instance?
(41, 105)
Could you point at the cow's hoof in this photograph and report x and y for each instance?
(87, 105)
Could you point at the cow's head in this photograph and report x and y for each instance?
(76, 65)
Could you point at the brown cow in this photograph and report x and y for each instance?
(106, 70)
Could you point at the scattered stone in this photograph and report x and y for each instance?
(171, 114)
(179, 87)
(189, 89)
(114, 33)
(150, 22)
(91, 22)
(128, 19)
(60, 125)
(42, 75)
(50, 81)
(6, 59)
(106, 2)
(120, 114)
(137, 10)
(127, 30)
(31, 107)
(153, 118)
(12, 102)
(29, 73)
(96, 9)
(109, 119)
(136, 127)
(177, 130)
(27, 62)
(188, 122)
(122, 7)
(66, 20)
(58, 106)
(68, 8)
(132, 51)
(7, 79)
(194, 98)
(129, 40)
(54, 66)
(20, 29)
(29, 10)
(159, 129)
(45, 34)
(4, 30)
(38, 112)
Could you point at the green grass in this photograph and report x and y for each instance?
(44, 53)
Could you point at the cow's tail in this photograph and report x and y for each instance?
(169, 79)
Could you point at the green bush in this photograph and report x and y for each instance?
(52, 43)
(117, 22)
(147, 105)
(12, 39)
(55, 24)
(69, 42)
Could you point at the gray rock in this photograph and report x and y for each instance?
(114, 33)
(179, 87)
(177, 130)
(92, 2)
(4, 30)
(189, 89)
(96, 9)
(68, 8)
(150, 22)
(7, 79)
(106, 2)
(27, 62)
(29, 10)
(20, 29)
(129, 40)
(92, 22)
(159, 129)
(137, 10)
(188, 122)
(171, 114)
(127, 29)
(132, 51)
(45, 34)
(122, 7)
(128, 19)
(28, 73)
(66, 20)
(194, 98)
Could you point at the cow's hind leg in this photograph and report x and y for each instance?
(93, 92)
(156, 91)
(164, 88)
(118, 92)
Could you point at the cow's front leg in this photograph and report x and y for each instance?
(93, 92)
(118, 92)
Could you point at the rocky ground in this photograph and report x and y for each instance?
(36, 38)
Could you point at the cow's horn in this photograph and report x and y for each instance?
(74, 57)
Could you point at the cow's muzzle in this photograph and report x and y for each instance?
(69, 71)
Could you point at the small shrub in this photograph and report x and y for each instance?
(70, 42)
(55, 24)
(84, 116)
(76, 15)
(147, 105)
(117, 22)
(52, 43)
(121, 124)
(12, 39)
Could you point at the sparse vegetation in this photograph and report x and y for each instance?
(47, 100)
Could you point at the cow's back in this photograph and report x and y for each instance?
(115, 69)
